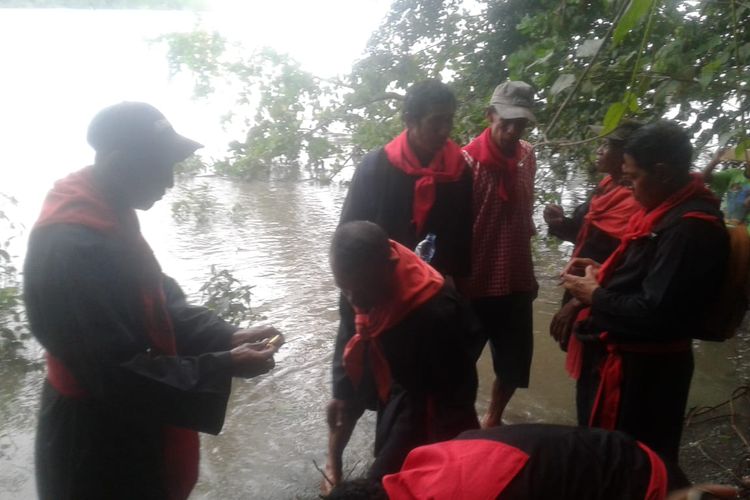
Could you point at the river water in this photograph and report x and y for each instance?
(271, 235)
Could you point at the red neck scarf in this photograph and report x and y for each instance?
(416, 282)
(485, 152)
(446, 166)
(611, 210)
(479, 469)
(77, 199)
(643, 222)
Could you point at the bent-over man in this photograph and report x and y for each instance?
(407, 354)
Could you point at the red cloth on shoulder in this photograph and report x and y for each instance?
(446, 166)
(415, 283)
(485, 152)
(77, 199)
(611, 210)
(479, 469)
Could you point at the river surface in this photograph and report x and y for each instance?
(274, 236)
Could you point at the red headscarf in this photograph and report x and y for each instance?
(415, 282)
(486, 153)
(611, 210)
(479, 469)
(77, 200)
(446, 166)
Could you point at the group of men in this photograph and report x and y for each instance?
(134, 371)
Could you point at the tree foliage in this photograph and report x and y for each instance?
(592, 61)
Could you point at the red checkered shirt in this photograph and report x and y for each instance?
(501, 245)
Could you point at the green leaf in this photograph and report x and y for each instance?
(742, 149)
(612, 119)
(563, 82)
(635, 11)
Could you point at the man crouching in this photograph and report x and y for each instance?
(408, 352)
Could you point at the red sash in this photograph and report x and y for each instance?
(607, 402)
(485, 152)
(446, 166)
(77, 200)
(479, 469)
(416, 282)
(657, 484)
(610, 210)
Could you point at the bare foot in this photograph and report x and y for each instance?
(329, 481)
(490, 420)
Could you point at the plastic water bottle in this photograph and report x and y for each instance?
(425, 250)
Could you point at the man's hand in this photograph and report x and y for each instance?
(582, 288)
(553, 215)
(577, 266)
(562, 323)
(251, 360)
(254, 335)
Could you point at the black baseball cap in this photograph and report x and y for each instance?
(140, 128)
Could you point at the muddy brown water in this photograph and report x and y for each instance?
(274, 236)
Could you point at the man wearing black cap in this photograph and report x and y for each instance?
(133, 371)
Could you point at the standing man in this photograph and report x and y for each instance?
(419, 182)
(133, 370)
(596, 226)
(632, 350)
(502, 284)
(408, 355)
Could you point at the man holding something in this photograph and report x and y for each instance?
(133, 370)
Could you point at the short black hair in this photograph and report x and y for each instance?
(358, 244)
(663, 141)
(424, 96)
(358, 489)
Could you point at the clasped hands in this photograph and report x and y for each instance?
(251, 352)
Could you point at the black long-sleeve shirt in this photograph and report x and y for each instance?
(383, 194)
(85, 307)
(663, 284)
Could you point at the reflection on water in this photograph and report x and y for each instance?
(275, 237)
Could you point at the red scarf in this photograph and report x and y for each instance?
(446, 166)
(658, 482)
(416, 282)
(77, 200)
(607, 402)
(485, 152)
(611, 210)
(479, 469)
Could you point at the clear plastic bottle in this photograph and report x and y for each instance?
(425, 250)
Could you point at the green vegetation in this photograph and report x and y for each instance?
(13, 327)
(227, 296)
(594, 61)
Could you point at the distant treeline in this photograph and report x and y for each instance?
(106, 4)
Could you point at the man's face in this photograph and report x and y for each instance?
(366, 287)
(506, 132)
(152, 176)
(648, 190)
(609, 157)
(429, 133)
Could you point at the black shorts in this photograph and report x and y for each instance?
(507, 322)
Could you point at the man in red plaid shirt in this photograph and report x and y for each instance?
(502, 284)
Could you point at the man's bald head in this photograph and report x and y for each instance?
(361, 262)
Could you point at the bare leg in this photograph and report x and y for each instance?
(342, 417)
(501, 395)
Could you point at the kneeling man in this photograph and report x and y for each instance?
(407, 353)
